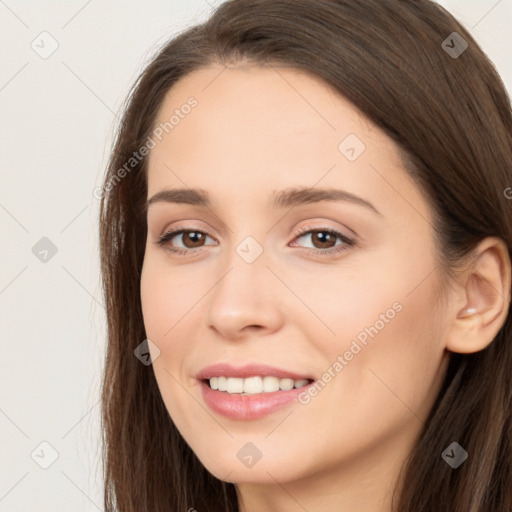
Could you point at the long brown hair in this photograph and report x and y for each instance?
(451, 117)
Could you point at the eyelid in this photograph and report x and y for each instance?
(307, 228)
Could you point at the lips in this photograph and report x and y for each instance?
(249, 406)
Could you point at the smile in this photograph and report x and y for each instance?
(254, 385)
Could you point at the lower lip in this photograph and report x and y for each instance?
(248, 407)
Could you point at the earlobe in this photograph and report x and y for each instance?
(485, 298)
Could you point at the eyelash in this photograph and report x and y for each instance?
(347, 242)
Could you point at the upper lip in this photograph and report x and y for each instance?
(248, 370)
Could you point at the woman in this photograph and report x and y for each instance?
(306, 234)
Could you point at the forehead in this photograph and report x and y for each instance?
(255, 129)
(248, 106)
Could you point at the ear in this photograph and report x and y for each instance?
(482, 298)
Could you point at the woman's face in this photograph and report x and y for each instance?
(337, 288)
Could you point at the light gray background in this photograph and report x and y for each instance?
(57, 118)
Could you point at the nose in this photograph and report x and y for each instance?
(245, 300)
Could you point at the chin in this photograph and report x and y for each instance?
(266, 470)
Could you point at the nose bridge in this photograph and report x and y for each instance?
(244, 280)
(242, 294)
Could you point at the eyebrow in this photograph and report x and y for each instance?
(290, 197)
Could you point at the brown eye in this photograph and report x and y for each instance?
(191, 240)
(324, 240)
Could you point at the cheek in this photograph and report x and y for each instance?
(162, 308)
(156, 308)
(161, 312)
(167, 295)
(171, 308)
(392, 359)
(386, 327)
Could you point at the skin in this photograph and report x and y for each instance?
(256, 130)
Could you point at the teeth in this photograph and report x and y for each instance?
(235, 385)
(286, 384)
(270, 384)
(254, 385)
(221, 383)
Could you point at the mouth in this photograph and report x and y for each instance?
(254, 385)
(252, 391)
